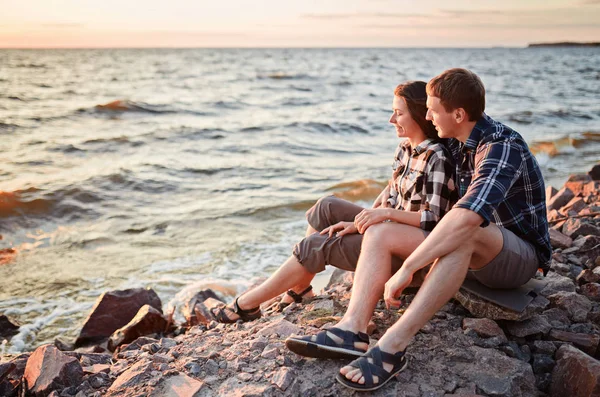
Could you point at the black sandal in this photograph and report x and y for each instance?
(298, 298)
(243, 315)
(367, 369)
(324, 346)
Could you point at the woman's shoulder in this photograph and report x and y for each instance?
(438, 149)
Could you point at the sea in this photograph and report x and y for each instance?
(183, 169)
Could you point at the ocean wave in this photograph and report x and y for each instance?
(359, 190)
(564, 144)
(529, 117)
(313, 126)
(8, 127)
(121, 106)
(286, 76)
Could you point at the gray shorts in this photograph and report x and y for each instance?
(516, 264)
(316, 251)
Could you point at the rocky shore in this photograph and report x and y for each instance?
(129, 347)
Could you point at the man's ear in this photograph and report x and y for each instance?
(460, 115)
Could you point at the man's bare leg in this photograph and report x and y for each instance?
(299, 288)
(442, 282)
(375, 268)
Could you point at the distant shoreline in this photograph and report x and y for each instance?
(565, 44)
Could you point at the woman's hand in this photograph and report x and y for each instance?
(368, 217)
(342, 228)
(395, 286)
(382, 200)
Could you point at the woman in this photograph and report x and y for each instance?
(420, 192)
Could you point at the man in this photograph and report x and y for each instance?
(496, 233)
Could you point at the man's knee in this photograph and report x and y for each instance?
(382, 234)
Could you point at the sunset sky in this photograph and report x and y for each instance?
(306, 23)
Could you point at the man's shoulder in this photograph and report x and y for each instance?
(495, 132)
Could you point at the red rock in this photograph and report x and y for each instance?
(8, 328)
(576, 183)
(113, 310)
(586, 342)
(592, 291)
(147, 321)
(177, 386)
(562, 197)
(577, 306)
(588, 276)
(576, 204)
(484, 327)
(575, 374)
(553, 215)
(283, 378)
(575, 227)
(49, 369)
(97, 368)
(133, 376)
(190, 308)
(559, 240)
(559, 225)
(550, 192)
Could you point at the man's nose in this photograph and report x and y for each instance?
(428, 115)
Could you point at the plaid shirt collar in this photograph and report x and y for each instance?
(420, 148)
(476, 134)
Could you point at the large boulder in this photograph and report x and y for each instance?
(147, 321)
(586, 342)
(113, 310)
(8, 328)
(49, 369)
(482, 308)
(575, 375)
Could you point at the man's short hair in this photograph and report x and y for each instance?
(459, 88)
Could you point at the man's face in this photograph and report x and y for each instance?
(443, 121)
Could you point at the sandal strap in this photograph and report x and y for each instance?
(298, 296)
(348, 338)
(379, 357)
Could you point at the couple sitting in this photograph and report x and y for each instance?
(496, 233)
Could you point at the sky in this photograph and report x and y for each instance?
(294, 23)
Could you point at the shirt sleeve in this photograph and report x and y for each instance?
(440, 190)
(497, 166)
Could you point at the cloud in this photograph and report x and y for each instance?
(361, 15)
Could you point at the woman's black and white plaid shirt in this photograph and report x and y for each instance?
(423, 180)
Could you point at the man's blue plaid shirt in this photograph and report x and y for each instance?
(499, 179)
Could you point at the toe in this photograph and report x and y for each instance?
(345, 370)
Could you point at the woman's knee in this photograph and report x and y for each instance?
(318, 215)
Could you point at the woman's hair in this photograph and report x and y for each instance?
(415, 96)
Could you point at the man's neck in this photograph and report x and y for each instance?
(464, 130)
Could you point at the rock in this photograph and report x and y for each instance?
(177, 386)
(550, 192)
(585, 243)
(588, 276)
(8, 328)
(544, 347)
(542, 363)
(557, 318)
(282, 327)
(481, 308)
(9, 388)
(559, 240)
(113, 310)
(512, 349)
(577, 306)
(49, 369)
(340, 276)
(99, 380)
(232, 387)
(137, 344)
(556, 283)
(575, 227)
(96, 369)
(189, 309)
(533, 326)
(283, 378)
(576, 204)
(63, 346)
(147, 321)
(586, 342)
(592, 291)
(484, 327)
(594, 173)
(5, 369)
(575, 374)
(562, 197)
(136, 374)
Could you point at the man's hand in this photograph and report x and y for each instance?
(368, 217)
(382, 200)
(395, 286)
(341, 228)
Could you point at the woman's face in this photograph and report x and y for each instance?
(406, 127)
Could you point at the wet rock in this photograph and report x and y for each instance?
(113, 310)
(557, 283)
(283, 378)
(282, 327)
(484, 327)
(575, 374)
(562, 197)
(533, 326)
(586, 342)
(592, 291)
(481, 308)
(576, 306)
(8, 328)
(177, 386)
(133, 376)
(147, 321)
(191, 307)
(49, 369)
(559, 240)
(575, 227)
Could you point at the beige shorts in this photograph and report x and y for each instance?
(516, 264)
